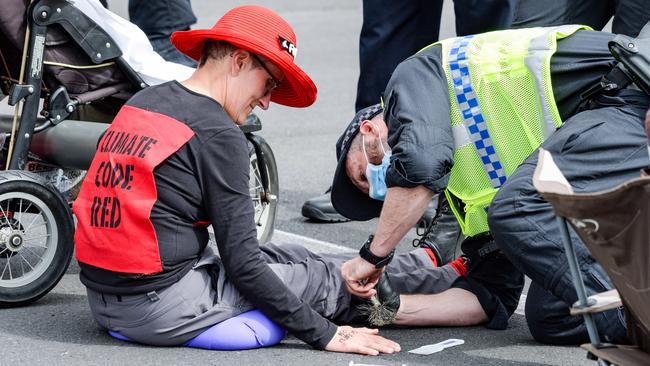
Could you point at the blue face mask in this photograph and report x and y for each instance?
(376, 174)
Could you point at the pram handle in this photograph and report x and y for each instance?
(95, 42)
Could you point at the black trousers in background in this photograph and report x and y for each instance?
(394, 30)
(629, 15)
(158, 19)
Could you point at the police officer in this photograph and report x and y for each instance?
(460, 117)
(174, 162)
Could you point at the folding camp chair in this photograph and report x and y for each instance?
(615, 227)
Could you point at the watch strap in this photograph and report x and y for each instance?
(368, 256)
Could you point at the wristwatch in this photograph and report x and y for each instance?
(367, 255)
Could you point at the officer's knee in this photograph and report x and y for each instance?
(543, 333)
(549, 320)
(539, 331)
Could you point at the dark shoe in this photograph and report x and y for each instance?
(320, 209)
(428, 215)
(445, 235)
(433, 251)
(383, 307)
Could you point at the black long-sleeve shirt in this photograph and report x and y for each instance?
(207, 180)
(417, 106)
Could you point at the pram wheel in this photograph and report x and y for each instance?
(36, 238)
(265, 198)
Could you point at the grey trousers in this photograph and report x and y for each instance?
(205, 296)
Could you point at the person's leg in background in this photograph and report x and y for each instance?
(535, 13)
(391, 32)
(596, 150)
(479, 16)
(158, 19)
(395, 30)
(630, 16)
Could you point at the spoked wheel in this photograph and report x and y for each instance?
(264, 201)
(36, 238)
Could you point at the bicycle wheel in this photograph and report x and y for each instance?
(265, 203)
(36, 238)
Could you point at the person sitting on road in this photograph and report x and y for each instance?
(174, 162)
(175, 236)
(463, 116)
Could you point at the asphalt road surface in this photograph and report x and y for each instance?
(59, 330)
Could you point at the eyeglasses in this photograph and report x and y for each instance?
(272, 83)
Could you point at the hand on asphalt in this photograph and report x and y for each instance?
(360, 277)
(363, 341)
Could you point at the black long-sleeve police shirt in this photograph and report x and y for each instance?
(417, 106)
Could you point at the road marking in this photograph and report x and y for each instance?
(521, 308)
(281, 237)
(540, 354)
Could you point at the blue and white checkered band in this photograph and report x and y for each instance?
(472, 114)
(353, 127)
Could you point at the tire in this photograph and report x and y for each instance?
(265, 209)
(36, 238)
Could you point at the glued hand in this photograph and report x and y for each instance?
(360, 277)
(363, 341)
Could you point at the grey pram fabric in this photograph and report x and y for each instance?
(59, 49)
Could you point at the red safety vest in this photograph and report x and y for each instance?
(114, 231)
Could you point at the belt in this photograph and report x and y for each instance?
(487, 249)
(616, 79)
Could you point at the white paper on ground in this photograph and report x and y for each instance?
(433, 348)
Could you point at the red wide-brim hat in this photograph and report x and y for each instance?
(263, 32)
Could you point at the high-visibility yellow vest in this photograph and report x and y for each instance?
(502, 109)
